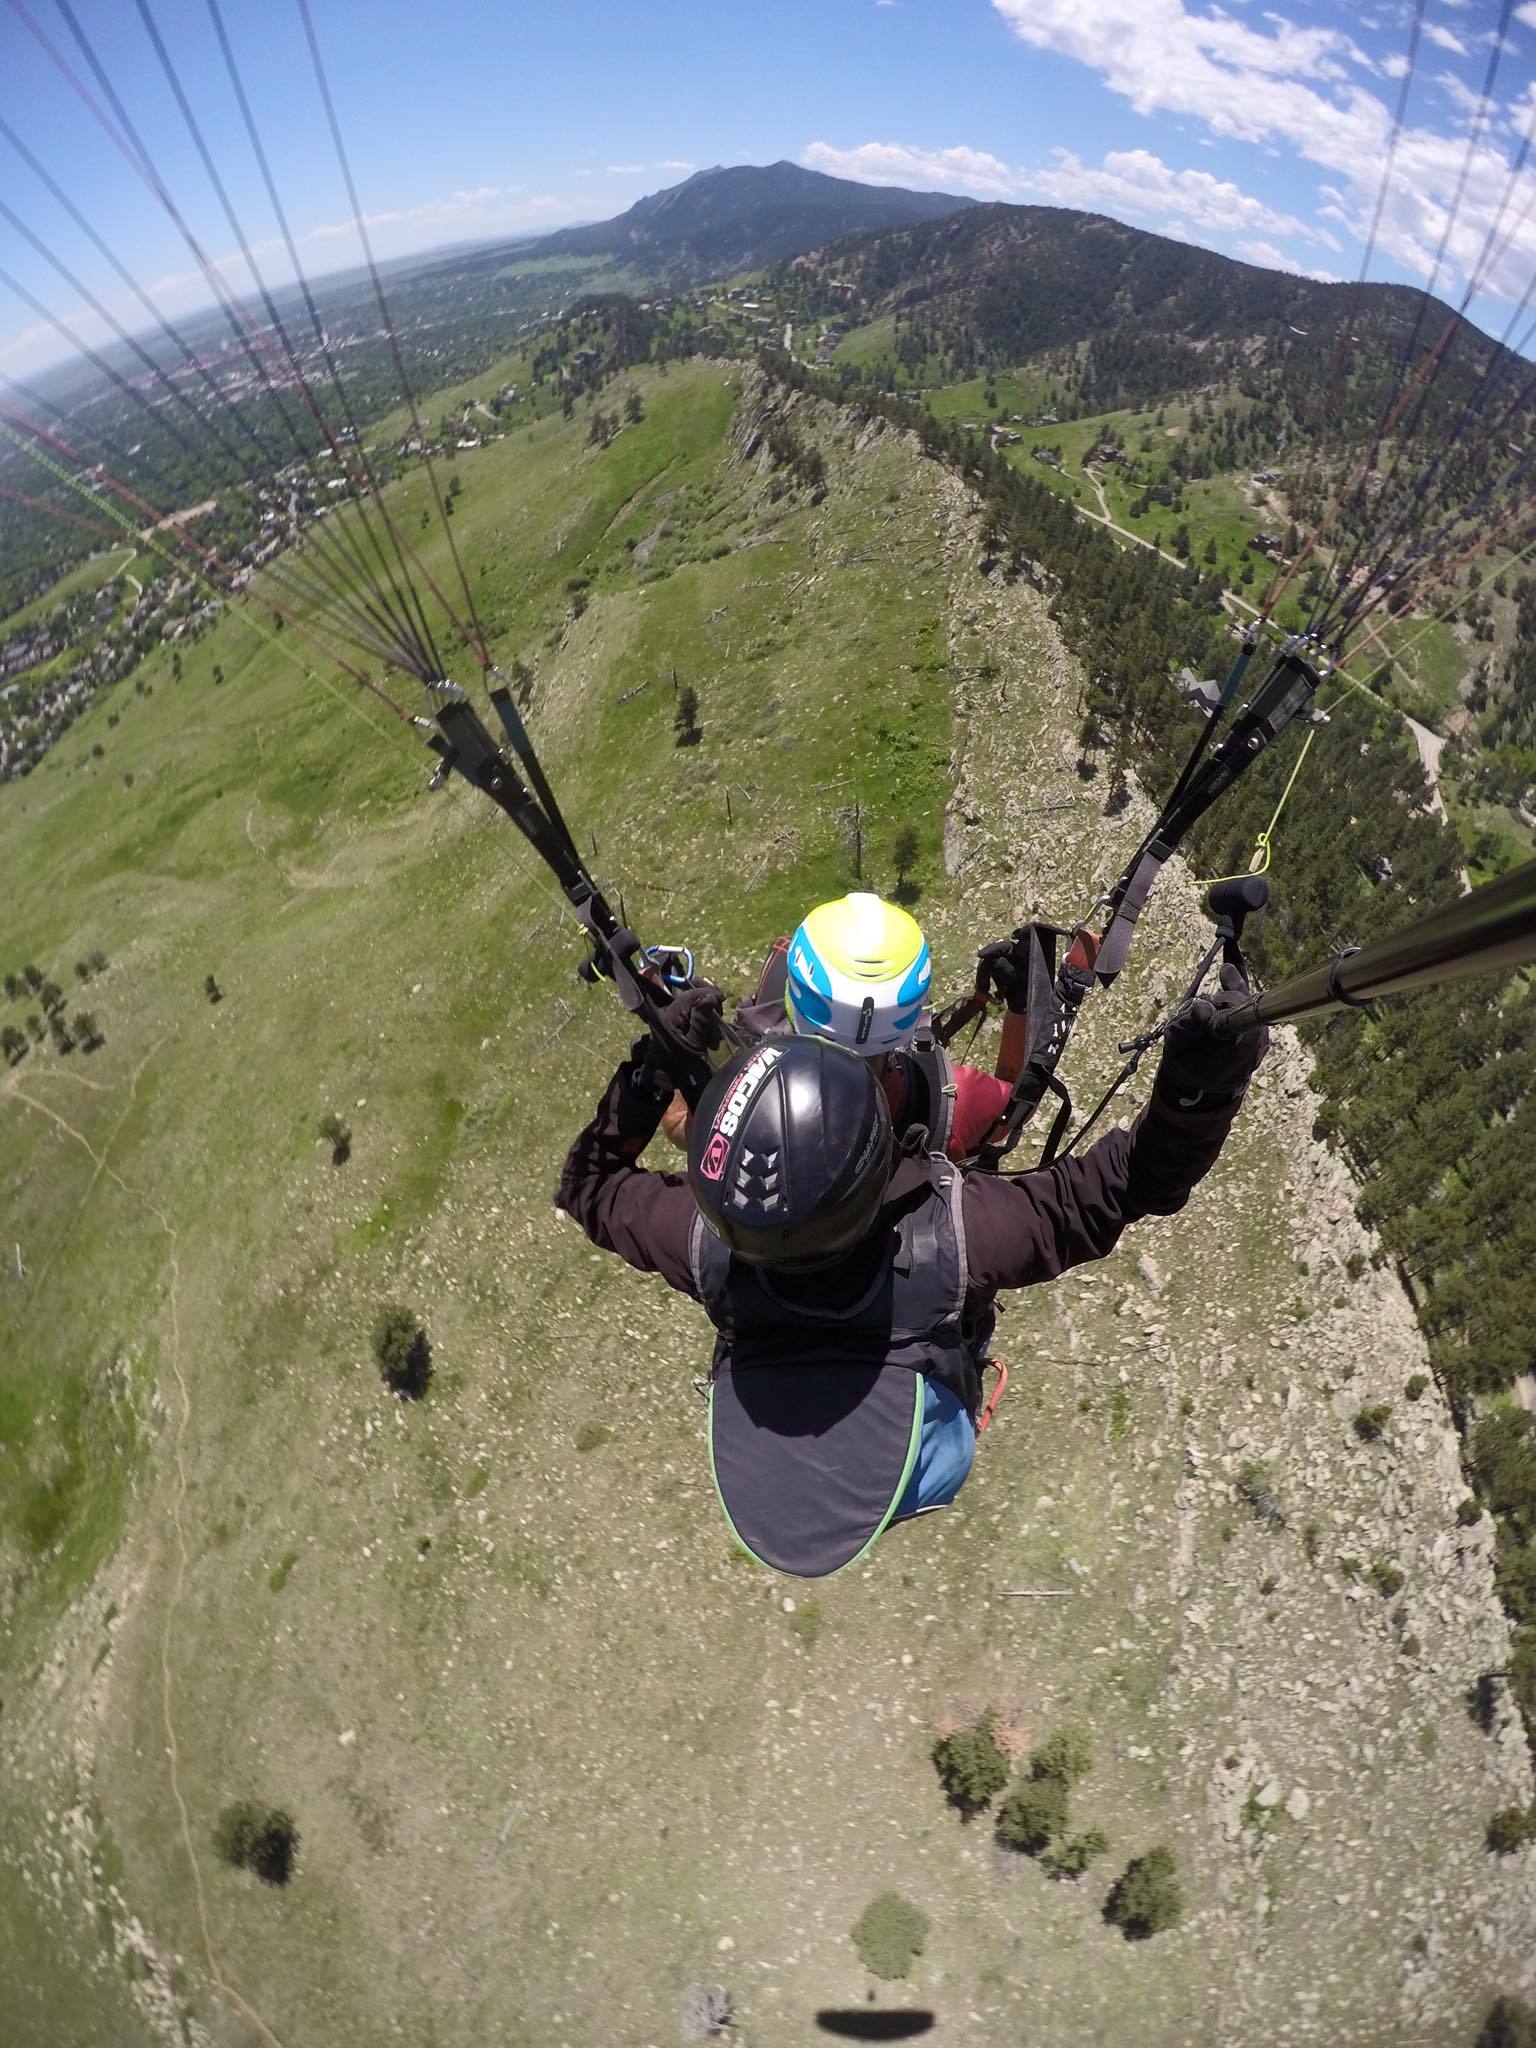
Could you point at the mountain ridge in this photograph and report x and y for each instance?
(742, 216)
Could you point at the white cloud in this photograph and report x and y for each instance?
(1443, 39)
(1135, 182)
(674, 163)
(1460, 95)
(1289, 91)
(1131, 184)
(625, 170)
(1271, 258)
(1395, 66)
(1526, 12)
(896, 163)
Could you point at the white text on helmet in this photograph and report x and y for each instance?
(752, 1076)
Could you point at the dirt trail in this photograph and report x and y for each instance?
(1102, 518)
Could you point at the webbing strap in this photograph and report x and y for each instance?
(1116, 942)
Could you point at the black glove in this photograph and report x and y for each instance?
(1006, 965)
(1201, 1070)
(690, 1030)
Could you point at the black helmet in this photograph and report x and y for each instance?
(790, 1151)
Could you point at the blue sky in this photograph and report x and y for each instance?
(1260, 132)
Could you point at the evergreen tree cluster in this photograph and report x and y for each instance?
(32, 985)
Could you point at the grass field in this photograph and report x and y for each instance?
(554, 1752)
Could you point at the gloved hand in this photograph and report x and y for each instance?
(1006, 962)
(1200, 1070)
(692, 1024)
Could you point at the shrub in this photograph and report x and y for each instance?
(262, 1840)
(1253, 1487)
(706, 2014)
(1067, 1754)
(807, 1622)
(889, 1935)
(235, 1832)
(335, 1133)
(592, 1436)
(1371, 1420)
(405, 1357)
(1355, 1265)
(970, 1765)
(1386, 1578)
(1032, 1817)
(1416, 1386)
(1147, 1898)
(1511, 1828)
(1510, 2024)
(1070, 1859)
(1468, 1511)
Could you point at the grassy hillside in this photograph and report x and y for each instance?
(555, 1753)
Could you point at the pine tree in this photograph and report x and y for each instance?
(686, 717)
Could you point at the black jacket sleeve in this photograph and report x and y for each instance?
(1020, 1232)
(645, 1217)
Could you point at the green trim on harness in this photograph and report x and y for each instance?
(919, 1385)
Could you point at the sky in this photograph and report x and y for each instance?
(1260, 132)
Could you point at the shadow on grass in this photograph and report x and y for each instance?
(856, 2025)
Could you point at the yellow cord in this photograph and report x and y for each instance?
(1259, 864)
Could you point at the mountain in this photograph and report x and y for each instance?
(1132, 317)
(741, 217)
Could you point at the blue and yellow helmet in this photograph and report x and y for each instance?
(858, 974)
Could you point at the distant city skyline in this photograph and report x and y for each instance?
(1257, 134)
